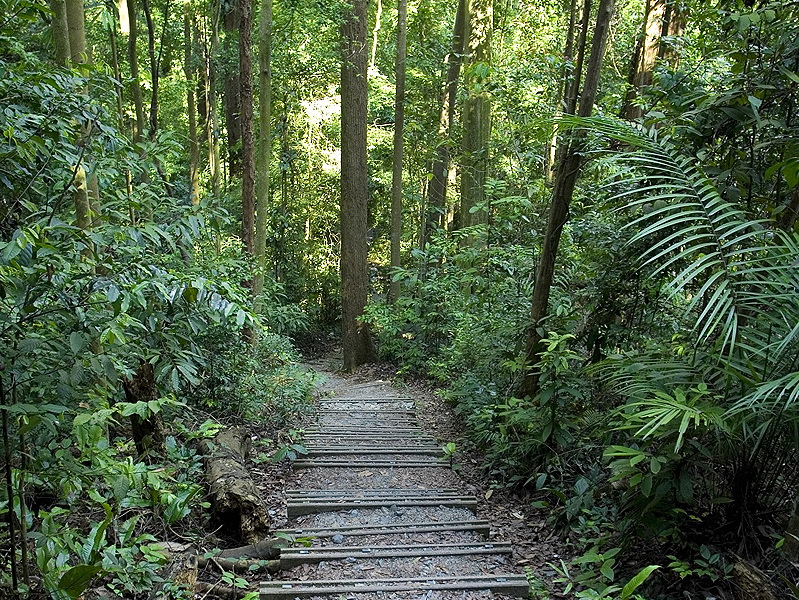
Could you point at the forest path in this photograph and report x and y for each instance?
(385, 515)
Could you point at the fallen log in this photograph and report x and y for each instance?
(236, 503)
(219, 591)
(181, 570)
(239, 565)
(265, 549)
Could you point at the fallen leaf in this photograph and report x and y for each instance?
(489, 493)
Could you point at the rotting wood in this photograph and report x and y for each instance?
(249, 565)
(236, 502)
(180, 570)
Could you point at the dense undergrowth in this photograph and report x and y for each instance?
(124, 341)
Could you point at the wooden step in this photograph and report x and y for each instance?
(512, 585)
(310, 506)
(291, 557)
(370, 493)
(375, 463)
(478, 526)
(356, 451)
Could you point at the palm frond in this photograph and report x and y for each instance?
(730, 269)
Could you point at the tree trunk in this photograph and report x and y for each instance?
(154, 70)
(77, 32)
(235, 500)
(568, 170)
(358, 346)
(476, 115)
(210, 98)
(264, 145)
(148, 433)
(191, 105)
(247, 134)
(60, 31)
(232, 88)
(135, 79)
(566, 73)
(375, 32)
(643, 60)
(437, 190)
(399, 125)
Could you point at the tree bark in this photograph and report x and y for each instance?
(562, 194)
(154, 70)
(566, 73)
(191, 105)
(232, 88)
(135, 78)
(148, 433)
(357, 342)
(399, 125)
(643, 61)
(264, 145)
(60, 31)
(247, 134)
(437, 190)
(476, 115)
(210, 101)
(375, 32)
(235, 499)
(77, 32)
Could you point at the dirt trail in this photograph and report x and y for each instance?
(382, 511)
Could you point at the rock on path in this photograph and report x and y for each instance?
(381, 512)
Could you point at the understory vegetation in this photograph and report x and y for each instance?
(146, 304)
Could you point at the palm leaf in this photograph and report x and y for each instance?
(731, 269)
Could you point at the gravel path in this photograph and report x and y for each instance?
(369, 432)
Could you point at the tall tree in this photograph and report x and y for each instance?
(476, 112)
(437, 190)
(154, 69)
(566, 72)
(76, 26)
(661, 18)
(399, 126)
(232, 87)
(191, 105)
(562, 193)
(264, 144)
(133, 64)
(60, 31)
(247, 133)
(357, 341)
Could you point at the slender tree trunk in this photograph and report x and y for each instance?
(86, 194)
(264, 145)
(566, 72)
(358, 346)
(399, 125)
(375, 32)
(212, 121)
(643, 61)
(476, 115)
(154, 70)
(437, 189)
(247, 134)
(232, 88)
(60, 32)
(112, 37)
(135, 78)
(191, 105)
(562, 194)
(77, 32)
